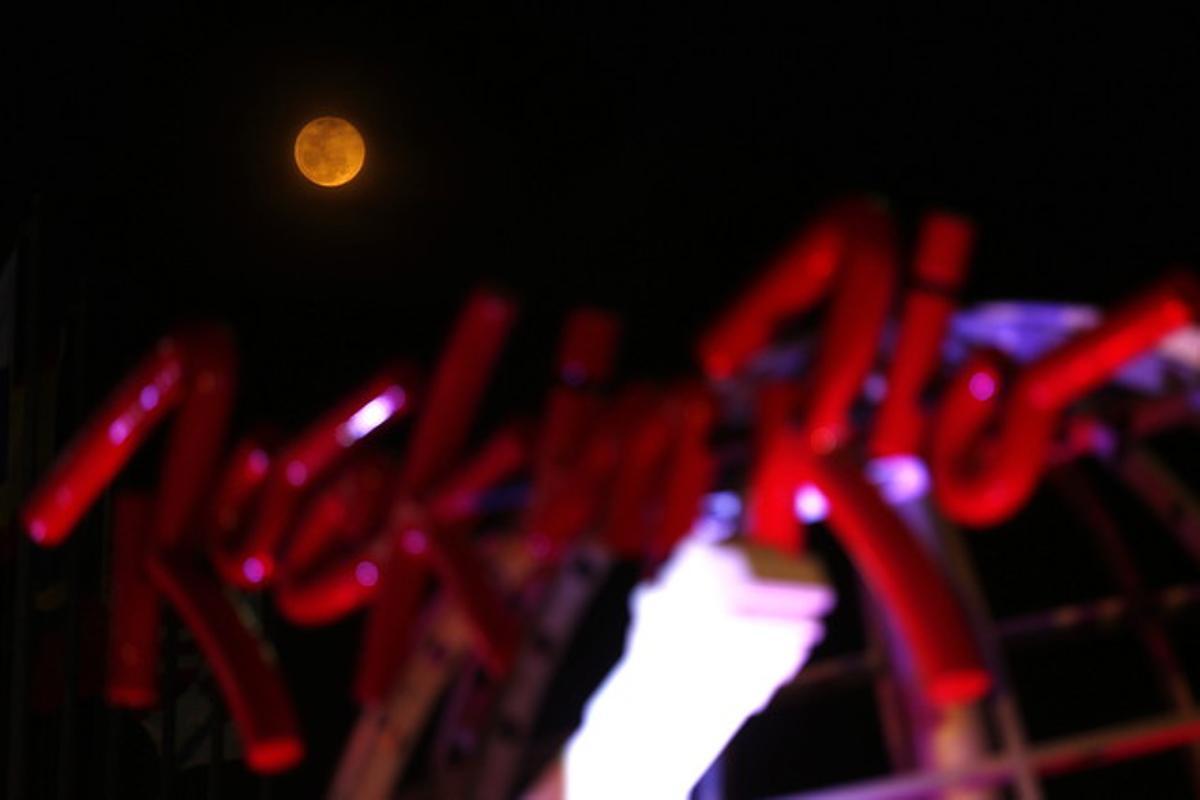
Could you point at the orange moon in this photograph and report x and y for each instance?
(329, 151)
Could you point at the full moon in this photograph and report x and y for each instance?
(329, 151)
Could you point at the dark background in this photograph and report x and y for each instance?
(645, 160)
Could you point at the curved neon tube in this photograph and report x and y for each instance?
(105, 445)
(797, 278)
(980, 480)
(810, 451)
(342, 515)
(586, 355)
(897, 569)
(194, 368)
(253, 689)
(332, 590)
(464, 367)
(197, 434)
(939, 266)
(237, 485)
(865, 273)
(860, 301)
(385, 398)
(466, 364)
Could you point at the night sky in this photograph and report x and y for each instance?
(646, 160)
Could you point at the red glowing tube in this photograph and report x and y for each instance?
(386, 632)
(627, 529)
(330, 592)
(494, 630)
(132, 676)
(102, 448)
(1082, 365)
(466, 364)
(850, 334)
(589, 339)
(384, 399)
(502, 455)
(575, 499)
(250, 683)
(792, 283)
(342, 514)
(897, 569)
(555, 523)
(690, 471)
(889, 558)
(237, 484)
(980, 480)
(570, 414)
(561, 446)
(588, 348)
(197, 433)
(454, 393)
(942, 254)
(771, 517)
(319, 527)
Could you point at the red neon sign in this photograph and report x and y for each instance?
(329, 526)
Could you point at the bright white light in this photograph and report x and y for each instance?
(899, 478)
(1183, 347)
(697, 663)
(811, 505)
(370, 416)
